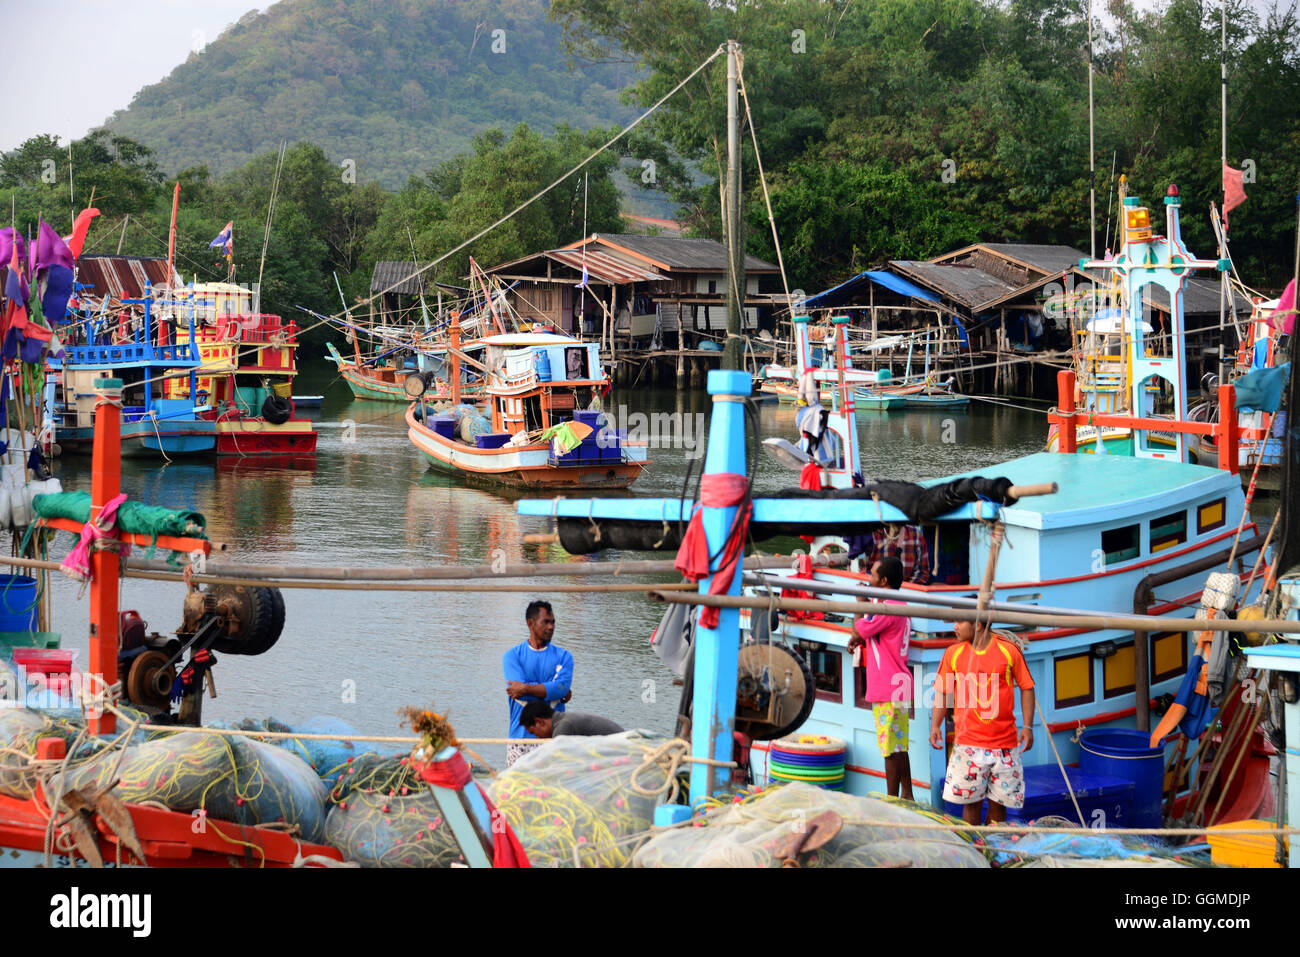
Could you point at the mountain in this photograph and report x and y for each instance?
(395, 86)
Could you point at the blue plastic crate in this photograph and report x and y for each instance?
(1046, 795)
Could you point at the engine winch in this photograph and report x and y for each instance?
(230, 619)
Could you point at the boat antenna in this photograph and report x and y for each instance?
(1110, 195)
(270, 211)
(1092, 152)
(582, 296)
(1224, 288)
(424, 308)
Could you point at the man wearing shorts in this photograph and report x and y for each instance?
(979, 673)
(883, 640)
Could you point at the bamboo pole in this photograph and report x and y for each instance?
(1092, 622)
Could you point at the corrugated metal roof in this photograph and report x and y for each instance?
(678, 253)
(962, 284)
(605, 265)
(122, 277)
(1044, 258)
(399, 278)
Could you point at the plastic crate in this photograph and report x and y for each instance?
(1046, 795)
(1243, 850)
(444, 425)
(49, 661)
(491, 440)
(28, 639)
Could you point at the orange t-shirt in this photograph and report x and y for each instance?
(984, 709)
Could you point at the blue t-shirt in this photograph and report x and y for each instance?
(551, 666)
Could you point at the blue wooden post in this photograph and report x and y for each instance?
(716, 649)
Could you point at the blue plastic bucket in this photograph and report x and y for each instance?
(1127, 754)
(17, 603)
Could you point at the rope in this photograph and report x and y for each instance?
(1051, 739)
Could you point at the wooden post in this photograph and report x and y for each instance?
(716, 649)
(454, 355)
(1066, 436)
(1227, 431)
(105, 485)
(681, 348)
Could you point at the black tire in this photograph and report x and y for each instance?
(265, 622)
(277, 409)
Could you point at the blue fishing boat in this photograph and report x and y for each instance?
(132, 343)
(1120, 533)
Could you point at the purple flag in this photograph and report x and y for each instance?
(7, 241)
(58, 290)
(49, 250)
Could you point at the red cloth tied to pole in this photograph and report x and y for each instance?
(454, 773)
(720, 490)
(810, 477)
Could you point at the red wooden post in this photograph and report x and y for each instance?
(1066, 438)
(1228, 433)
(105, 485)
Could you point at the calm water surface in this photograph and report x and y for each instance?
(370, 501)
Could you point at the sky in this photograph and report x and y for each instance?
(125, 45)
(113, 48)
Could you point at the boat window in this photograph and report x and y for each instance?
(1121, 544)
(949, 553)
(575, 363)
(827, 666)
(1118, 672)
(1168, 531)
(1168, 655)
(1210, 516)
(1074, 680)
(833, 446)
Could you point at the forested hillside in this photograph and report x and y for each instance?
(396, 86)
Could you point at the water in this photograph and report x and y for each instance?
(370, 501)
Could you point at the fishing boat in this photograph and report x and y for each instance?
(534, 383)
(159, 418)
(1113, 534)
(245, 380)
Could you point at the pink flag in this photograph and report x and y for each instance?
(1234, 194)
(1283, 317)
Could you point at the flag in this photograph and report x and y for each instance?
(80, 227)
(585, 278)
(225, 240)
(8, 241)
(15, 314)
(1234, 194)
(1283, 317)
(49, 249)
(52, 259)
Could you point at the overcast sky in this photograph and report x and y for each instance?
(92, 56)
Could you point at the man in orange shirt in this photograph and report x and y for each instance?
(979, 672)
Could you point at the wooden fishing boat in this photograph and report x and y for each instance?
(1123, 531)
(533, 383)
(159, 418)
(248, 367)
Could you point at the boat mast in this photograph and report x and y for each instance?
(1092, 153)
(731, 354)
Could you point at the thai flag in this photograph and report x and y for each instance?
(225, 240)
(585, 278)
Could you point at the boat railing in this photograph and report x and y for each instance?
(254, 327)
(176, 354)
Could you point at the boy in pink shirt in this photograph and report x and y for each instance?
(883, 640)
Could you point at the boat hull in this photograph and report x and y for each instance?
(525, 467)
(244, 437)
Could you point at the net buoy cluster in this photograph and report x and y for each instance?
(812, 758)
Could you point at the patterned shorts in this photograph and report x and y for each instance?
(891, 726)
(516, 751)
(974, 773)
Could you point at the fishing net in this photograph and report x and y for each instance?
(326, 758)
(20, 731)
(470, 422)
(383, 815)
(230, 778)
(752, 832)
(1027, 849)
(134, 517)
(584, 801)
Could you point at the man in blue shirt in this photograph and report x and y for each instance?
(535, 670)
